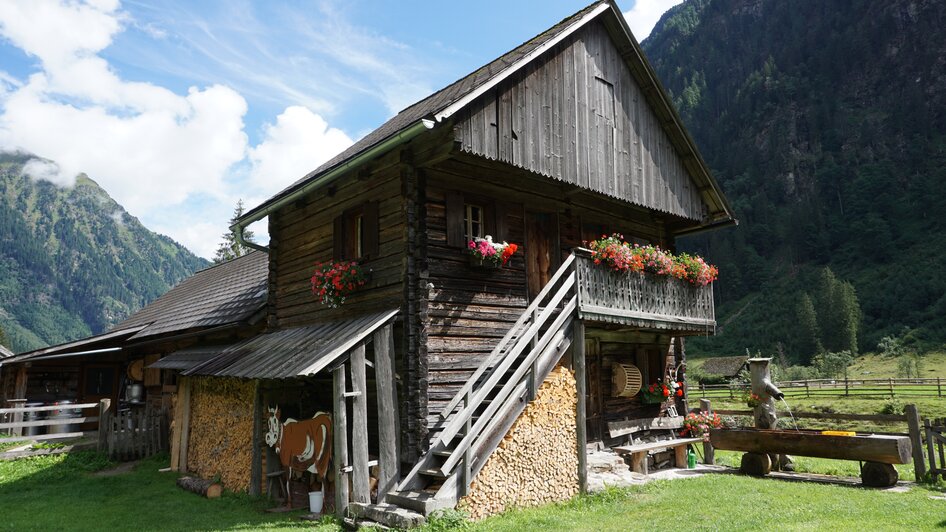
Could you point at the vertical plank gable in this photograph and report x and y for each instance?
(578, 115)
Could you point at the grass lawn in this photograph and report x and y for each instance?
(731, 502)
(64, 493)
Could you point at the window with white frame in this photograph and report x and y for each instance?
(473, 221)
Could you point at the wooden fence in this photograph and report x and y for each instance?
(13, 421)
(134, 434)
(935, 440)
(833, 388)
(124, 435)
(911, 417)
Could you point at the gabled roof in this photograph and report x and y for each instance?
(725, 366)
(449, 100)
(229, 292)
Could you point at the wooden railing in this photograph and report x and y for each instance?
(642, 299)
(833, 388)
(13, 421)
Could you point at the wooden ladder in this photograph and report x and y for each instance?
(475, 421)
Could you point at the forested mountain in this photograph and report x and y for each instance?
(825, 123)
(72, 261)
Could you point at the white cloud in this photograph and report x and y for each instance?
(296, 144)
(644, 15)
(176, 161)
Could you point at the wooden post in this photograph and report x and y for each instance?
(890, 383)
(682, 359)
(939, 387)
(929, 449)
(256, 464)
(581, 428)
(104, 423)
(185, 405)
(19, 392)
(913, 422)
(389, 472)
(807, 391)
(845, 386)
(360, 480)
(709, 454)
(340, 443)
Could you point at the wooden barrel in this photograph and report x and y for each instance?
(625, 380)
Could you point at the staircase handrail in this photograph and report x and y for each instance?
(491, 359)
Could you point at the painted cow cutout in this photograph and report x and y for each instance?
(302, 445)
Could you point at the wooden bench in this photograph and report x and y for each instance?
(640, 451)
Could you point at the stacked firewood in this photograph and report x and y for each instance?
(537, 462)
(221, 430)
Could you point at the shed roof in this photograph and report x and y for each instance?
(725, 366)
(229, 292)
(294, 352)
(5, 353)
(191, 357)
(447, 101)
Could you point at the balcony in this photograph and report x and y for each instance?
(642, 300)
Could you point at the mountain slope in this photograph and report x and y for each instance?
(825, 123)
(72, 261)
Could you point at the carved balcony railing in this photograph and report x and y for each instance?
(642, 300)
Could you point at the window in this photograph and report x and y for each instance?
(355, 233)
(473, 221)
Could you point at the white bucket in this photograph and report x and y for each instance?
(316, 499)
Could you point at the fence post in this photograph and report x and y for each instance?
(845, 386)
(807, 391)
(929, 449)
(890, 384)
(104, 412)
(913, 422)
(939, 388)
(709, 454)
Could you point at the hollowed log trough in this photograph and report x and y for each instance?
(878, 451)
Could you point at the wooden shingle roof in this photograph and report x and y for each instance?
(725, 366)
(230, 292)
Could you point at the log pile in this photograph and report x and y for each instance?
(207, 488)
(537, 462)
(221, 430)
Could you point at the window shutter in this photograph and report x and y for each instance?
(372, 229)
(338, 236)
(455, 229)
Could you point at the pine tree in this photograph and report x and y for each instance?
(231, 248)
(809, 337)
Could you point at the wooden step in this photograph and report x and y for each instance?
(419, 501)
(433, 472)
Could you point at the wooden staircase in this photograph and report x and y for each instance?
(476, 420)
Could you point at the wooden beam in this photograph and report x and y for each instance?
(913, 422)
(885, 449)
(184, 403)
(361, 488)
(581, 427)
(105, 411)
(389, 473)
(256, 464)
(709, 454)
(19, 392)
(340, 441)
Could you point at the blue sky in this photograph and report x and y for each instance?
(178, 108)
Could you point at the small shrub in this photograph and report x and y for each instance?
(893, 407)
(447, 519)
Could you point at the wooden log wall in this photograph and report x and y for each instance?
(647, 351)
(220, 440)
(537, 462)
(302, 235)
(578, 115)
(470, 309)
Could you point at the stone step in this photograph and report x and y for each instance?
(388, 515)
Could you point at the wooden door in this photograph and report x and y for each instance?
(541, 249)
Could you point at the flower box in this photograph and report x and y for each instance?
(483, 264)
(486, 254)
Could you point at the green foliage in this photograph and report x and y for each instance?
(447, 519)
(827, 163)
(832, 365)
(73, 262)
(892, 407)
(909, 366)
(891, 346)
(809, 339)
(231, 248)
